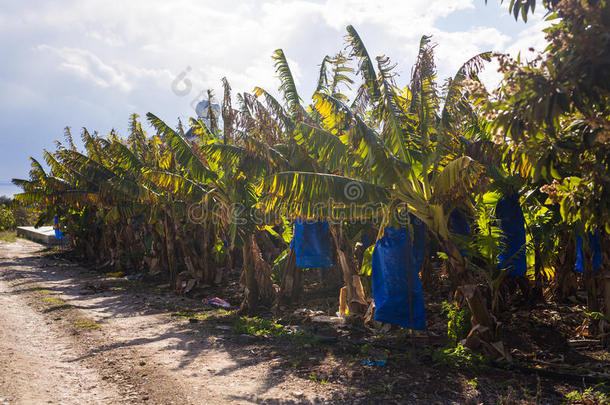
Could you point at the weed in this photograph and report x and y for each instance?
(318, 380)
(458, 325)
(598, 316)
(474, 383)
(86, 324)
(260, 327)
(460, 357)
(592, 395)
(267, 328)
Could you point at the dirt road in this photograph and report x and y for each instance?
(66, 338)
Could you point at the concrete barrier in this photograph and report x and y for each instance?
(44, 235)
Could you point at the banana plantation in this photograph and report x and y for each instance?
(393, 193)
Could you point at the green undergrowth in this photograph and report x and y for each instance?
(600, 394)
(268, 328)
(460, 358)
(369, 351)
(458, 325)
(260, 327)
(8, 236)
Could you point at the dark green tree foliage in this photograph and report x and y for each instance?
(554, 110)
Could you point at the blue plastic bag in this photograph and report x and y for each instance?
(512, 224)
(58, 234)
(397, 288)
(459, 225)
(366, 240)
(311, 245)
(595, 245)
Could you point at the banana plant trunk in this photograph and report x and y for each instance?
(537, 272)
(292, 280)
(605, 324)
(483, 335)
(229, 252)
(564, 280)
(457, 263)
(589, 279)
(169, 254)
(256, 276)
(355, 301)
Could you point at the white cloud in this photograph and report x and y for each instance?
(531, 37)
(398, 17)
(97, 61)
(126, 45)
(88, 66)
(455, 48)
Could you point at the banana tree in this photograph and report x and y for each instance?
(395, 154)
(238, 159)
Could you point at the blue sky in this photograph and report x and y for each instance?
(92, 63)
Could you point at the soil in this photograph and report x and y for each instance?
(72, 335)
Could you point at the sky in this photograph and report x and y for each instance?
(92, 63)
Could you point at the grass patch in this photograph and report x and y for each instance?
(260, 327)
(54, 301)
(201, 316)
(86, 324)
(8, 236)
(268, 328)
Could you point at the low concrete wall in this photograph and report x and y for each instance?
(44, 234)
